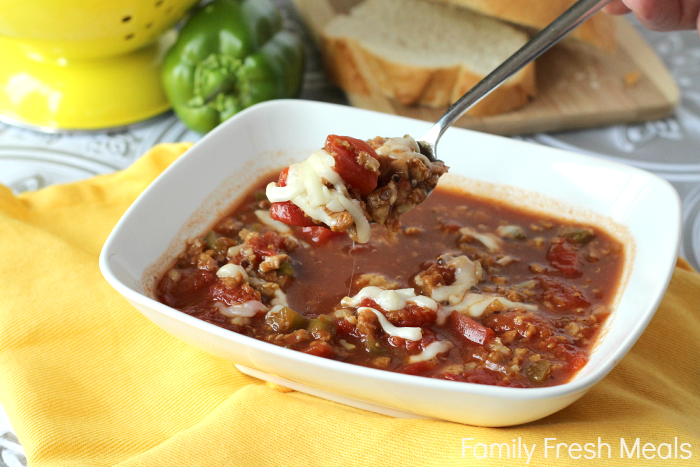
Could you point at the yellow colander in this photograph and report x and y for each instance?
(84, 64)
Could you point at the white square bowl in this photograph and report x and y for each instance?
(635, 206)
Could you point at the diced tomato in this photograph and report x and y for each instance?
(560, 296)
(320, 350)
(345, 150)
(345, 327)
(368, 302)
(564, 258)
(412, 315)
(414, 347)
(318, 235)
(208, 314)
(577, 362)
(428, 338)
(196, 281)
(419, 368)
(415, 316)
(191, 288)
(290, 214)
(282, 180)
(469, 329)
(230, 295)
(267, 244)
(287, 212)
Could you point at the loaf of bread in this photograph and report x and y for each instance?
(598, 31)
(424, 53)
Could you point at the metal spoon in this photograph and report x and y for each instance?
(538, 45)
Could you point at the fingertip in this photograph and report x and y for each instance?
(617, 7)
(659, 16)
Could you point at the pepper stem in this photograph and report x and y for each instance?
(214, 78)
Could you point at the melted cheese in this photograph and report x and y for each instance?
(505, 261)
(244, 310)
(306, 188)
(402, 148)
(390, 300)
(280, 298)
(431, 351)
(467, 275)
(442, 315)
(347, 345)
(232, 270)
(475, 304)
(408, 333)
(264, 217)
(490, 241)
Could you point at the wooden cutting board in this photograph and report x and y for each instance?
(577, 86)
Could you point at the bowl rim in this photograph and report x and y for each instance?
(523, 394)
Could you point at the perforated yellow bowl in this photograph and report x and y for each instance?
(84, 64)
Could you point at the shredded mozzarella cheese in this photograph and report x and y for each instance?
(475, 304)
(402, 148)
(505, 261)
(306, 188)
(264, 217)
(431, 351)
(441, 316)
(347, 345)
(390, 300)
(467, 275)
(490, 241)
(244, 310)
(408, 333)
(280, 298)
(232, 270)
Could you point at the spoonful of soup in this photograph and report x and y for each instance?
(351, 183)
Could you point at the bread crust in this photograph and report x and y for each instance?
(598, 31)
(357, 70)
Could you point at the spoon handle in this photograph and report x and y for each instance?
(573, 17)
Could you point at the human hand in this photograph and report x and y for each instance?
(660, 15)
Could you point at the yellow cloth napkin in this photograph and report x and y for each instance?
(87, 381)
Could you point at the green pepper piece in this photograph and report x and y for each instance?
(374, 346)
(579, 236)
(539, 371)
(260, 196)
(323, 324)
(230, 55)
(286, 269)
(212, 241)
(285, 320)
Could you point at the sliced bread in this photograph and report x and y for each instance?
(598, 31)
(423, 53)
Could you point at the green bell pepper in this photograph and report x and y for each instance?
(230, 55)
